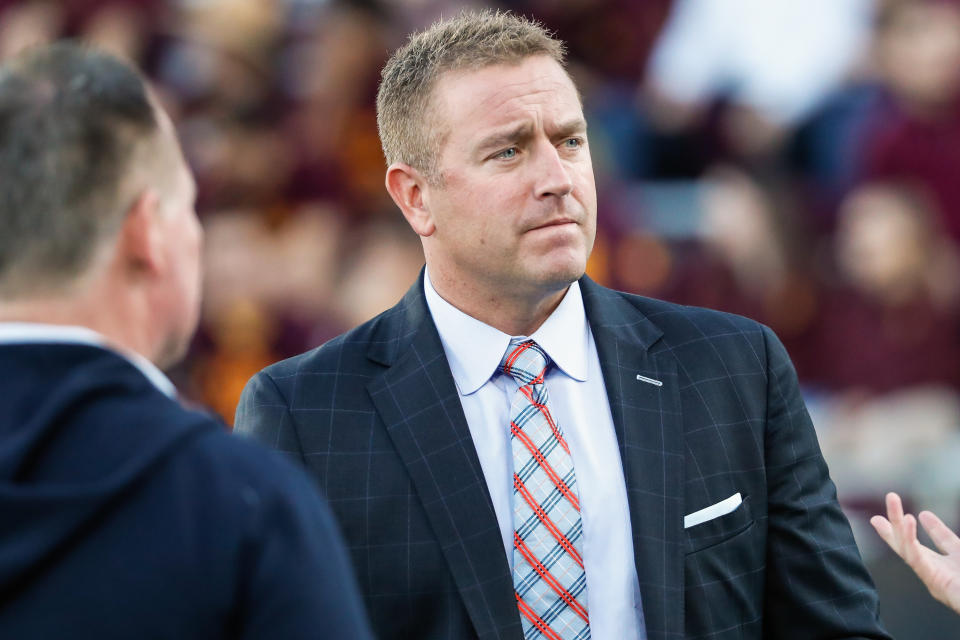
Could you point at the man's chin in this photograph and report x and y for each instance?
(561, 277)
(565, 268)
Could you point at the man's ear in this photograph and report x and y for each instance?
(406, 186)
(140, 236)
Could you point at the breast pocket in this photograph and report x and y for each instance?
(724, 576)
(718, 529)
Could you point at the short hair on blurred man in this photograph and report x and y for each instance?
(79, 123)
(96, 196)
(464, 43)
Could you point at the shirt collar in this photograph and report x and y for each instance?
(474, 349)
(36, 333)
(564, 335)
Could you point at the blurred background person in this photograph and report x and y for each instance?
(770, 62)
(123, 514)
(803, 174)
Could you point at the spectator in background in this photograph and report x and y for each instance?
(329, 76)
(123, 514)
(893, 320)
(915, 135)
(124, 28)
(729, 241)
(744, 255)
(29, 23)
(772, 61)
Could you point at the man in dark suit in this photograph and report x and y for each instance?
(123, 514)
(669, 485)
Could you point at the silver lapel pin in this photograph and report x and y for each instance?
(655, 383)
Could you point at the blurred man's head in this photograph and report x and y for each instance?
(96, 199)
(486, 142)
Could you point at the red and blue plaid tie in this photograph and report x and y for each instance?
(548, 574)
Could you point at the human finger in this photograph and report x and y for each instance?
(945, 539)
(912, 550)
(885, 530)
(894, 508)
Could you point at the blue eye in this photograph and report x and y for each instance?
(508, 154)
(573, 143)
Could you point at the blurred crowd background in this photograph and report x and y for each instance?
(795, 162)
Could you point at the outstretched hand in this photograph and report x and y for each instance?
(940, 572)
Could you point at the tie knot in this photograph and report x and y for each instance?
(525, 361)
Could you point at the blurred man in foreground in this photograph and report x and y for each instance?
(940, 572)
(668, 486)
(122, 514)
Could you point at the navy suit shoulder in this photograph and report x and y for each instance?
(711, 346)
(323, 378)
(683, 324)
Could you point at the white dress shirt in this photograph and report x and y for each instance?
(579, 404)
(36, 333)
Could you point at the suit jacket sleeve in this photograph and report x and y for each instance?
(263, 414)
(815, 577)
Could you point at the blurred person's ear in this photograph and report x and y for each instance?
(407, 187)
(140, 239)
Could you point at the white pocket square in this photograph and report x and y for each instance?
(722, 508)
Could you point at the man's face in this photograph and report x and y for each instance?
(515, 210)
(178, 303)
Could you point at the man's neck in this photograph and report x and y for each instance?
(515, 315)
(77, 310)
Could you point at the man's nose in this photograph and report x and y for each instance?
(553, 175)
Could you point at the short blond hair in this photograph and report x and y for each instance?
(472, 40)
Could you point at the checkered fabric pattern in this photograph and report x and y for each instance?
(548, 573)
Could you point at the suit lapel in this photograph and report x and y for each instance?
(647, 420)
(418, 402)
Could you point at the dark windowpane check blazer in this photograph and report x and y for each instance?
(375, 417)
